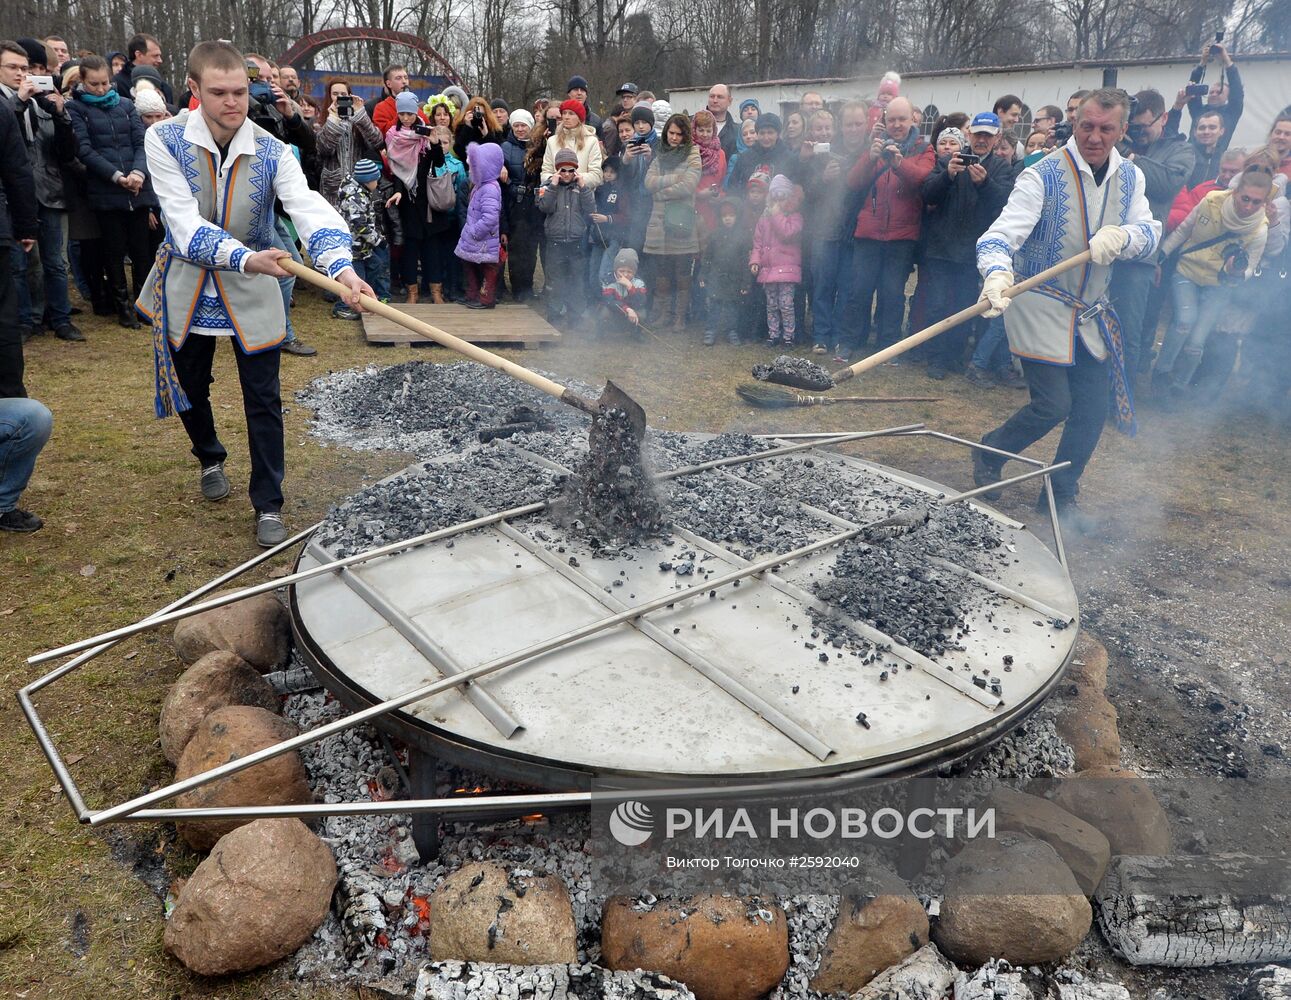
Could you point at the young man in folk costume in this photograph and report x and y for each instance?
(217, 175)
(1083, 195)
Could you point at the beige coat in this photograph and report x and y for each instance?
(589, 157)
(672, 181)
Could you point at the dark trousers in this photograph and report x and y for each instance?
(441, 258)
(948, 286)
(1075, 397)
(522, 253)
(879, 267)
(482, 281)
(125, 234)
(261, 401)
(416, 252)
(1128, 292)
(565, 265)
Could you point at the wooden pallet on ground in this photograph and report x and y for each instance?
(507, 325)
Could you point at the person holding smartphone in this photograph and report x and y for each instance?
(1208, 90)
(962, 196)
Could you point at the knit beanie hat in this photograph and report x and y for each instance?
(498, 104)
(576, 81)
(627, 257)
(35, 51)
(780, 189)
(642, 113)
(145, 72)
(576, 107)
(367, 170)
(770, 120)
(457, 95)
(760, 178)
(566, 157)
(407, 103)
(662, 112)
(521, 117)
(148, 101)
(953, 133)
(890, 85)
(750, 102)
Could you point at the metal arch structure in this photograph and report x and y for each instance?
(332, 36)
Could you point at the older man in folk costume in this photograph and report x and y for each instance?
(217, 175)
(1083, 195)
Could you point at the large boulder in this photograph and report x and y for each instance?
(876, 928)
(258, 629)
(722, 947)
(1088, 667)
(1010, 898)
(1121, 805)
(264, 889)
(1087, 721)
(483, 913)
(229, 734)
(925, 975)
(1080, 845)
(216, 680)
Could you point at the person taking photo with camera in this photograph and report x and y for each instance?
(347, 136)
(1214, 250)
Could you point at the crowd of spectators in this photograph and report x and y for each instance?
(802, 225)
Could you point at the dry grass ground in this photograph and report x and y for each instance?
(127, 532)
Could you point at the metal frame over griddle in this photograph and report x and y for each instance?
(137, 809)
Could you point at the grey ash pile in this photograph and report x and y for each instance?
(794, 371)
(423, 408)
(434, 495)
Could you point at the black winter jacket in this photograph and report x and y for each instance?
(110, 141)
(957, 211)
(724, 268)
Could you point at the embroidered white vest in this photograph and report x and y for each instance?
(241, 203)
(1041, 328)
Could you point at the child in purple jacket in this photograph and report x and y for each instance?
(776, 259)
(479, 245)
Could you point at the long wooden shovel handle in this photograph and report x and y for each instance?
(950, 322)
(462, 347)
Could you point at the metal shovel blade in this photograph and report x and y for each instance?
(614, 398)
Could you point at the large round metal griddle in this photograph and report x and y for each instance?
(633, 706)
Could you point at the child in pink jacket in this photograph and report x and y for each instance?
(776, 260)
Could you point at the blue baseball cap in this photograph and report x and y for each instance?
(985, 121)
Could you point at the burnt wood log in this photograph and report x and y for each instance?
(1186, 911)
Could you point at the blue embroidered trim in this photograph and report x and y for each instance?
(993, 245)
(1043, 248)
(323, 240)
(235, 258)
(210, 314)
(995, 267)
(1127, 189)
(173, 137)
(205, 242)
(1150, 240)
(337, 266)
(264, 171)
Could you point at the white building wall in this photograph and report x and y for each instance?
(1267, 81)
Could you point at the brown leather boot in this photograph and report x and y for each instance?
(412, 294)
(437, 293)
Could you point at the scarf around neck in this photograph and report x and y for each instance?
(708, 153)
(1234, 223)
(109, 100)
(403, 152)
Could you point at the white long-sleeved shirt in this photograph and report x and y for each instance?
(207, 245)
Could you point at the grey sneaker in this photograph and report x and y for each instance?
(215, 484)
(270, 530)
(299, 348)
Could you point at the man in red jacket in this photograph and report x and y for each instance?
(888, 177)
(382, 111)
(1230, 165)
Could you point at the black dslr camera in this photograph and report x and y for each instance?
(1236, 262)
